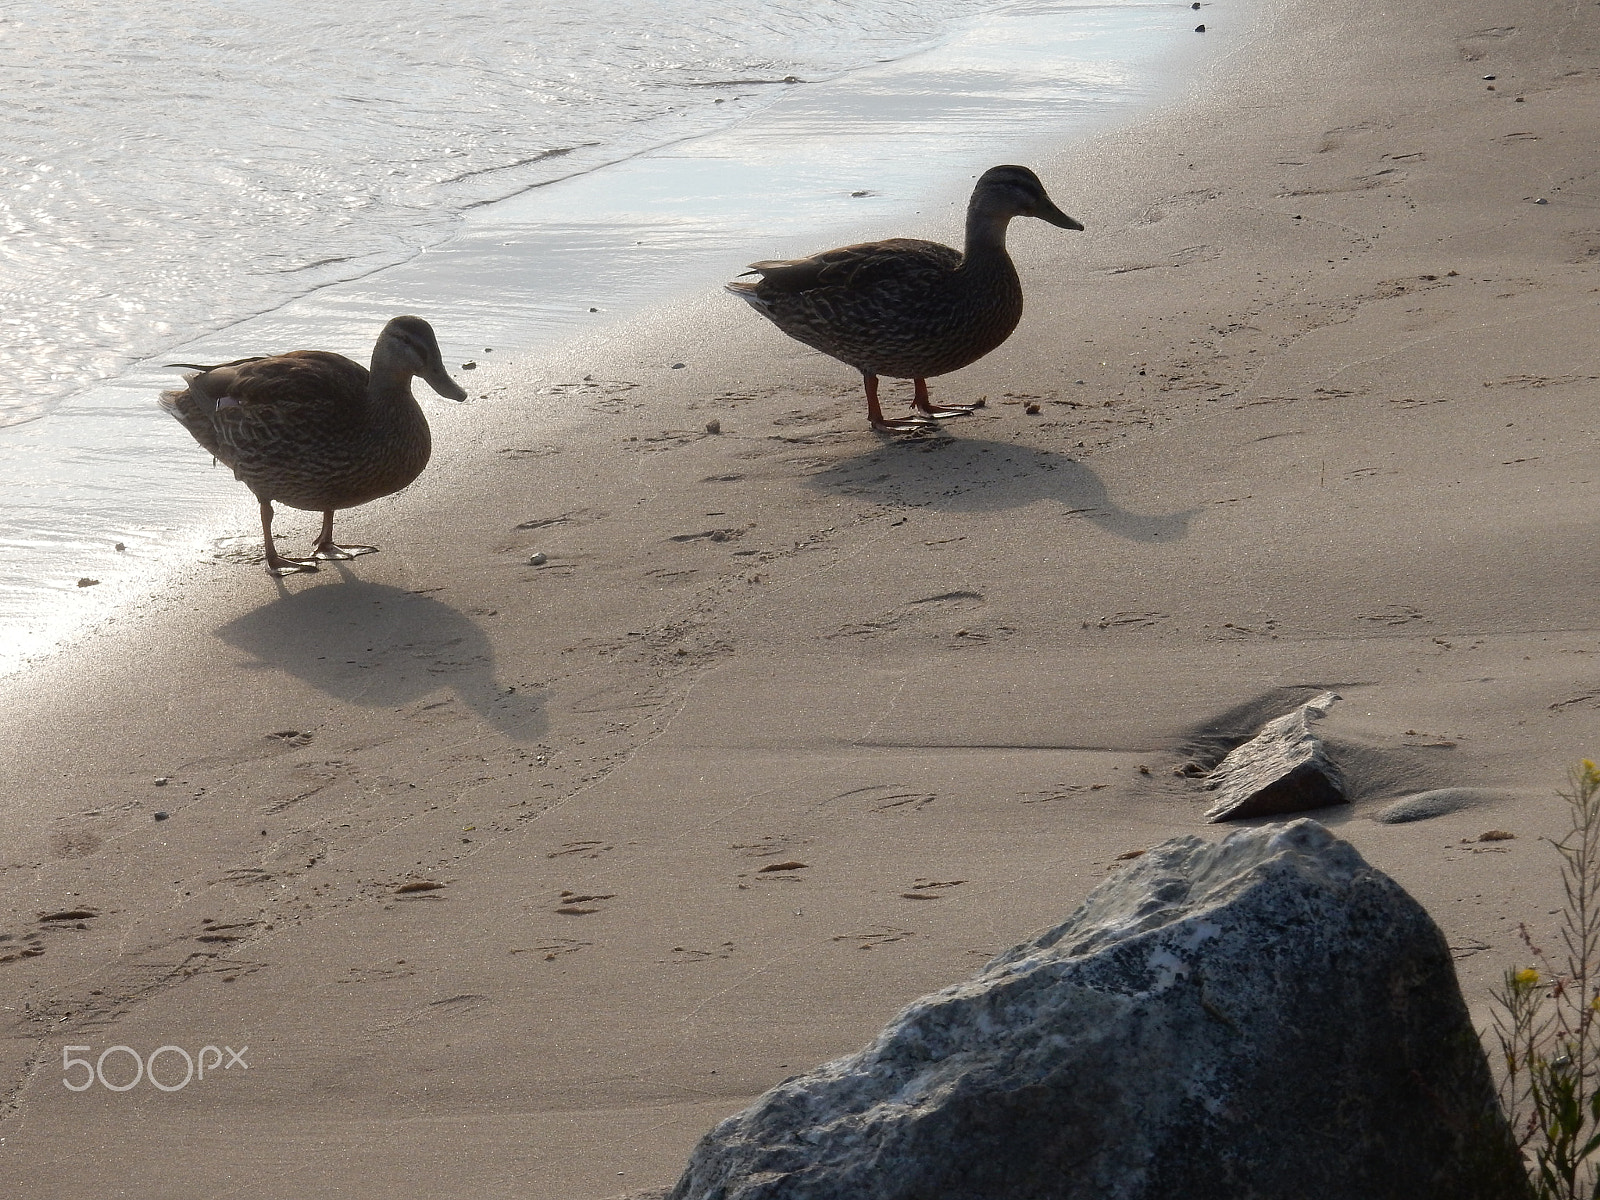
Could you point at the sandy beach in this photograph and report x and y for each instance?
(514, 879)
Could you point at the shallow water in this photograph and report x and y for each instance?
(430, 130)
(173, 167)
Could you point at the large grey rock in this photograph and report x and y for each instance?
(1283, 769)
(1262, 1019)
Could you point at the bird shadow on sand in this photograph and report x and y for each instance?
(955, 474)
(379, 646)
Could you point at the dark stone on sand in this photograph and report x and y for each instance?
(161, 816)
(1424, 806)
(1283, 769)
(1265, 1016)
(1199, 28)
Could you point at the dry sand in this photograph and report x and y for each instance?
(1317, 391)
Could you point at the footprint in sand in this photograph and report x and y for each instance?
(591, 849)
(709, 535)
(769, 846)
(581, 904)
(552, 950)
(215, 934)
(689, 954)
(1394, 614)
(876, 936)
(930, 889)
(888, 797)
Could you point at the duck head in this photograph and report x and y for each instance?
(1010, 191)
(407, 346)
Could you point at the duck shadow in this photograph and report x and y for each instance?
(955, 474)
(379, 646)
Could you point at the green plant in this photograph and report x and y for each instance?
(1548, 1025)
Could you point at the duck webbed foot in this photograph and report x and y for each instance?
(277, 564)
(891, 424)
(329, 550)
(937, 412)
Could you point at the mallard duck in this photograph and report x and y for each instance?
(906, 308)
(315, 431)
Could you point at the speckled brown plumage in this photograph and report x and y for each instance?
(907, 308)
(313, 430)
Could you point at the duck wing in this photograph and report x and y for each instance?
(257, 413)
(894, 262)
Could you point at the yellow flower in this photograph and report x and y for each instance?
(1525, 978)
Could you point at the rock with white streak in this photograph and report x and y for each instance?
(1283, 769)
(1266, 1017)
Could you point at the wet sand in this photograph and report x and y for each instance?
(798, 722)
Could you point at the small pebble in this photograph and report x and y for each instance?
(1519, 99)
(1199, 28)
(1196, 4)
(1031, 409)
(119, 546)
(87, 582)
(537, 560)
(162, 815)
(469, 366)
(678, 366)
(713, 426)
(1540, 200)
(594, 310)
(1489, 76)
(162, 780)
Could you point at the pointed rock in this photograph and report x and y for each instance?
(1283, 769)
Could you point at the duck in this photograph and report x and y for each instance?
(313, 430)
(907, 308)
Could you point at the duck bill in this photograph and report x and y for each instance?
(440, 382)
(1049, 212)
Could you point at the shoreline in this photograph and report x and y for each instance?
(1332, 355)
(540, 275)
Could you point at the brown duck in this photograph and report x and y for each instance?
(315, 431)
(906, 308)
